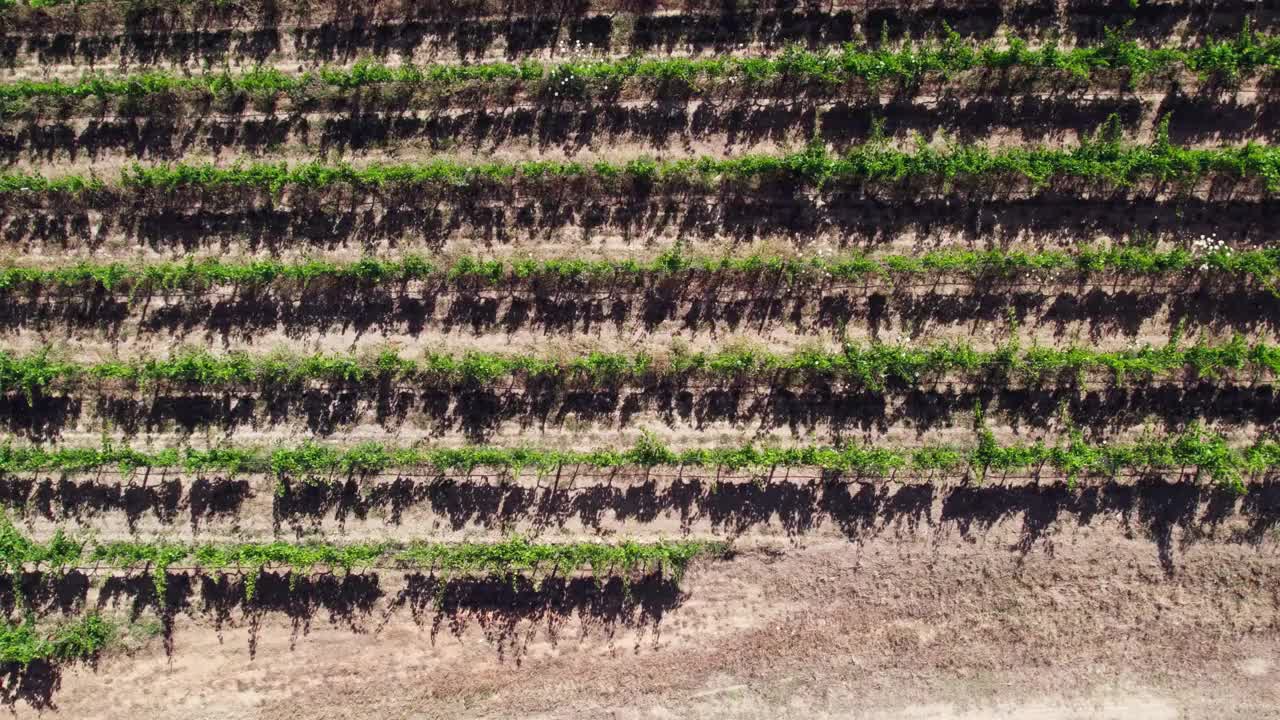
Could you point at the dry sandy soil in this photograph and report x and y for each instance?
(925, 621)
(993, 601)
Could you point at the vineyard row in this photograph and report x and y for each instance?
(872, 366)
(1207, 453)
(564, 10)
(1104, 160)
(516, 9)
(1138, 261)
(509, 557)
(1247, 54)
(24, 643)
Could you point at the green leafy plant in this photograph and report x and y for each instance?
(1102, 159)
(1195, 448)
(23, 644)
(874, 366)
(1260, 265)
(514, 556)
(908, 64)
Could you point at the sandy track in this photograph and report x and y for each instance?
(1087, 623)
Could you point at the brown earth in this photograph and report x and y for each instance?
(749, 508)
(67, 38)
(922, 622)
(587, 222)
(585, 132)
(781, 316)
(696, 416)
(286, 14)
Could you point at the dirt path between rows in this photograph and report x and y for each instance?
(583, 131)
(766, 313)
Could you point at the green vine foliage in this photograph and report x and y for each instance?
(23, 643)
(1259, 265)
(510, 557)
(1104, 159)
(874, 366)
(19, 551)
(1231, 59)
(1207, 454)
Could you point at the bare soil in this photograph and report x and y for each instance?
(751, 509)
(573, 221)
(781, 316)
(936, 622)
(656, 127)
(697, 415)
(68, 37)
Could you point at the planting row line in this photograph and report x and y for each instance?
(1247, 54)
(872, 366)
(445, 10)
(511, 557)
(737, 11)
(1104, 160)
(512, 562)
(1137, 261)
(420, 9)
(1208, 454)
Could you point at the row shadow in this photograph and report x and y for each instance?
(550, 310)
(664, 125)
(236, 221)
(1153, 505)
(833, 413)
(361, 33)
(505, 608)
